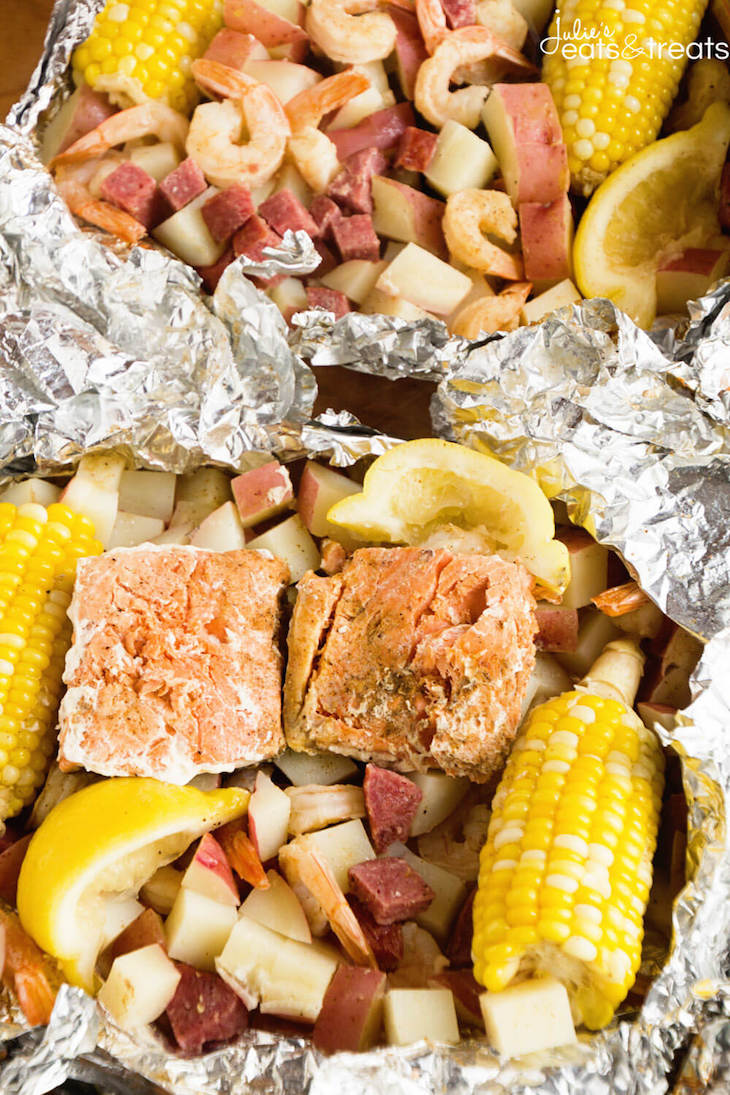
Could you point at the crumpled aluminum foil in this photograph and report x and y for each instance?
(104, 347)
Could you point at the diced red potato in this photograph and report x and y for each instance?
(653, 713)
(351, 188)
(385, 304)
(271, 29)
(416, 150)
(527, 1017)
(362, 106)
(82, 112)
(546, 234)
(557, 628)
(381, 130)
(355, 238)
(558, 296)
(325, 212)
(131, 529)
(319, 488)
(130, 188)
(466, 991)
(588, 567)
(329, 299)
(302, 769)
(278, 908)
(461, 161)
(424, 280)
(158, 160)
(289, 541)
(186, 234)
(524, 130)
(458, 949)
(285, 78)
(209, 873)
(227, 211)
(148, 493)
(197, 928)
(11, 860)
(31, 490)
(413, 1014)
(449, 893)
(460, 13)
(390, 889)
(594, 632)
(352, 1011)
(231, 48)
(268, 817)
(221, 530)
(282, 211)
(204, 1009)
(666, 681)
(145, 930)
(391, 802)
(199, 493)
(410, 51)
(290, 296)
(290, 178)
(688, 277)
(183, 184)
(408, 215)
(211, 275)
(342, 846)
(355, 278)
(139, 987)
(440, 795)
(94, 491)
(262, 492)
(328, 259)
(385, 940)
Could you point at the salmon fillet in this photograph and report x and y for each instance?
(175, 667)
(412, 657)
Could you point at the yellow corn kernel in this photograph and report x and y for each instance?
(38, 552)
(588, 843)
(154, 43)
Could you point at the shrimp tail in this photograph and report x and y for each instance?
(35, 995)
(27, 971)
(104, 215)
(215, 78)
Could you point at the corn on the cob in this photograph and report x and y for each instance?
(39, 549)
(613, 98)
(566, 871)
(152, 42)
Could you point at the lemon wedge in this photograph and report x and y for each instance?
(95, 850)
(661, 201)
(414, 488)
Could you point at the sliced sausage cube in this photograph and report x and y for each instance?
(183, 184)
(325, 213)
(133, 190)
(329, 299)
(356, 239)
(228, 211)
(386, 940)
(352, 187)
(390, 889)
(416, 149)
(391, 803)
(204, 1009)
(211, 275)
(283, 211)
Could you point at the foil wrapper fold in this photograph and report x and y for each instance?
(105, 347)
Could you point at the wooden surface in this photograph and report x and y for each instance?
(399, 408)
(23, 29)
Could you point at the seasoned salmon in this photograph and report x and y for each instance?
(411, 657)
(175, 667)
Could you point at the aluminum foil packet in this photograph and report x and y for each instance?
(104, 347)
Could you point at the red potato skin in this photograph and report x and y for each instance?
(211, 275)
(428, 214)
(351, 1011)
(416, 149)
(544, 172)
(558, 629)
(204, 1009)
(248, 17)
(546, 232)
(329, 299)
(11, 860)
(250, 490)
(143, 931)
(211, 856)
(386, 940)
(91, 110)
(458, 950)
(532, 113)
(231, 48)
(466, 992)
(410, 51)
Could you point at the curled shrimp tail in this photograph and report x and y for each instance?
(149, 119)
(309, 107)
(27, 971)
(215, 78)
(431, 22)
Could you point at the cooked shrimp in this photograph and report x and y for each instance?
(27, 971)
(351, 31)
(461, 47)
(312, 151)
(215, 130)
(318, 922)
(303, 859)
(242, 855)
(73, 182)
(490, 314)
(314, 807)
(150, 119)
(455, 844)
(432, 22)
(472, 214)
(215, 78)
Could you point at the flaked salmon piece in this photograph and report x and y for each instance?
(411, 657)
(175, 667)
